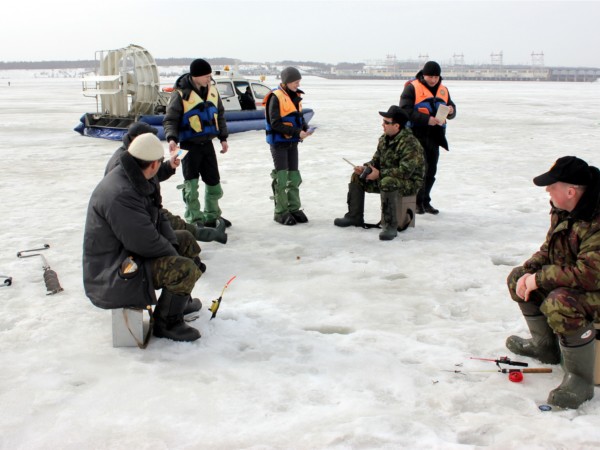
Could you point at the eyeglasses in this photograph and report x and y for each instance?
(388, 122)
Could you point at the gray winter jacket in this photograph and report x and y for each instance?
(123, 219)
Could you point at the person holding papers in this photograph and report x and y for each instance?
(428, 105)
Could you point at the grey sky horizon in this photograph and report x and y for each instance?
(332, 31)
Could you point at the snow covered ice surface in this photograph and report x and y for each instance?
(328, 337)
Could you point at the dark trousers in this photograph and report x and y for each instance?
(432, 155)
(285, 156)
(201, 162)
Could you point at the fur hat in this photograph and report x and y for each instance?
(289, 75)
(200, 67)
(146, 147)
(431, 68)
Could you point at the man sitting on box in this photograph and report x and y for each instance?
(558, 288)
(130, 249)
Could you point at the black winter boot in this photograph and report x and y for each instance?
(356, 208)
(209, 234)
(192, 305)
(389, 219)
(543, 344)
(578, 382)
(168, 318)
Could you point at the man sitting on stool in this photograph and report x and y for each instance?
(397, 169)
(558, 288)
(130, 249)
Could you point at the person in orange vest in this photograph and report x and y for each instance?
(285, 127)
(421, 99)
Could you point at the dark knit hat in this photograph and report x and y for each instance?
(568, 169)
(135, 129)
(290, 74)
(200, 67)
(431, 68)
(396, 114)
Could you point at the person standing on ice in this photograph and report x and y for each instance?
(421, 99)
(396, 169)
(194, 117)
(167, 169)
(558, 287)
(285, 128)
(130, 249)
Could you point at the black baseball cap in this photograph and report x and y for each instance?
(568, 169)
(396, 114)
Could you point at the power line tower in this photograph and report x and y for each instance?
(496, 59)
(459, 59)
(537, 59)
(423, 58)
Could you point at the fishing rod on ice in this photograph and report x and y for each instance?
(514, 375)
(50, 277)
(216, 303)
(7, 280)
(503, 360)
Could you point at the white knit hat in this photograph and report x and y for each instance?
(146, 147)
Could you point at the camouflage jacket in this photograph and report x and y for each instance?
(570, 256)
(400, 162)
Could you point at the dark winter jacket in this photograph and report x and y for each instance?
(174, 114)
(570, 256)
(123, 219)
(418, 119)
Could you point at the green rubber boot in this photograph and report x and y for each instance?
(293, 196)
(212, 194)
(191, 199)
(280, 197)
(543, 344)
(578, 382)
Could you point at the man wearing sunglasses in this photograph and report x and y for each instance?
(396, 169)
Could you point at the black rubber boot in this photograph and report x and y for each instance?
(168, 318)
(578, 382)
(543, 344)
(356, 208)
(193, 305)
(285, 218)
(209, 234)
(389, 219)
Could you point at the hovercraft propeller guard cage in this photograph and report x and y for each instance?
(126, 86)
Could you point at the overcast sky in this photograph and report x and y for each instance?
(566, 32)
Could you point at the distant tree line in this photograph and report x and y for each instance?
(221, 61)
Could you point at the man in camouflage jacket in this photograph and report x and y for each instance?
(558, 288)
(396, 169)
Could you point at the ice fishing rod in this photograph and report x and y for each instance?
(7, 280)
(514, 375)
(216, 303)
(503, 360)
(50, 277)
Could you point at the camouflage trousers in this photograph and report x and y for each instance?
(568, 310)
(177, 223)
(178, 274)
(385, 184)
